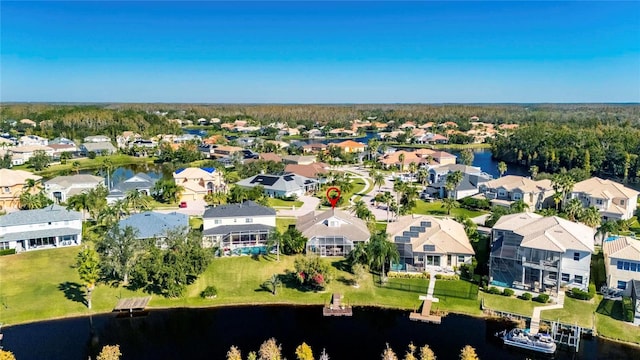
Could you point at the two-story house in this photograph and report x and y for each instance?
(621, 262)
(332, 232)
(60, 188)
(472, 179)
(29, 140)
(424, 241)
(50, 227)
(198, 182)
(614, 200)
(238, 229)
(536, 253)
(12, 184)
(506, 190)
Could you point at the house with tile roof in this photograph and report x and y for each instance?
(61, 188)
(314, 148)
(280, 186)
(299, 159)
(614, 200)
(350, 146)
(51, 227)
(151, 225)
(311, 171)
(424, 241)
(12, 184)
(140, 182)
(505, 190)
(472, 178)
(621, 262)
(234, 227)
(536, 253)
(198, 182)
(332, 232)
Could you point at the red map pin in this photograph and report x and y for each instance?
(333, 200)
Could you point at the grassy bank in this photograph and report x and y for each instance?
(117, 160)
(435, 208)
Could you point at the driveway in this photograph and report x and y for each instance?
(194, 208)
(309, 203)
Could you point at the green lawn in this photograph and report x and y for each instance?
(90, 164)
(435, 208)
(282, 224)
(509, 304)
(608, 322)
(574, 312)
(273, 202)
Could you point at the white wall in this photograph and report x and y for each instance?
(209, 223)
(573, 268)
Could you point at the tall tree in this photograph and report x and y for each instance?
(378, 179)
(410, 354)
(138, 201)
(449, 204)
(533, 171)
(274, 239)
(466, 157)
(519, 206)
(606, 228)
(381, 251)
(590, 217)
(234, 353)
(452, 181)
(87, 264)
(39, 160)
(573, 209)
(117, 250)
(401, 158)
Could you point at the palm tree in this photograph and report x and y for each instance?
(413, 167)
(360, 209)
(590, 217)
(30, 201)
(468, 353)
(557, 199)
(273, 282)
(401, 159)
(79, 202)
(107, 165)
(137, 200)
(87, 263)
(423, 176)
(449, 203)
(373, 146)
(573, 209)
(96, 200)
(606, 228)
(502, 168)
(274, 239)
(358, 255)
(533, 170)
(519, 206)
(380, 251)
(378, 179)
(452, 181)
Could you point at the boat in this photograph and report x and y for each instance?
(523, 339)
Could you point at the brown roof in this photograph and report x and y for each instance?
(316, 224)
(447, 235)
(623, 247)
(270, 157)
(350, 144)
(310, 171)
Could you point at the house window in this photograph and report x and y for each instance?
(4, 245)
(517, 196)
(576, 256)
(248, 220)
(598, 201)
(334, 223)
(622, 202)
(6, 189)
(622, 285)
(626, 265)
(217, 221)
(633, 266)
(577, 279)
(619, 265)
(460, 259)
(565, 277)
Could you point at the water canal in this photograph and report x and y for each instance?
(208, 334)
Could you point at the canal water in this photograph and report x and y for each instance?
(209, 333)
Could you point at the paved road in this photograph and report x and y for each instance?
(194, 208)
(309, 203)
(380, 212)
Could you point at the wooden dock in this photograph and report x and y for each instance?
(337, 308)
(132, 305)
(425, 315)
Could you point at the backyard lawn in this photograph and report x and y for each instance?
(282, 224)
(273, 202)
(435, 208)
(608, 322)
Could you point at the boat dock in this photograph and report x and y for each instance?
(337, 308)
(425, 315)
(132, 305)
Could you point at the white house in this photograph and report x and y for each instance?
(332, 232)
(97, 139)
(60, 188)
(507, 189)
(238, 228)
(621, 262)
(284, 185)
(613, 200)
(51, 227)
(29, 140)
(536, 253)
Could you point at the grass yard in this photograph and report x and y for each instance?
(273, 202)
(435, 208)
(510, 304)
(282, 224)
(574, 311)
(609, 322)
(89, 164)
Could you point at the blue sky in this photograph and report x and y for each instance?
(320, 52)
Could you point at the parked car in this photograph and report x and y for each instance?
(183, 204)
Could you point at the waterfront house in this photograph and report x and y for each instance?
(621, 262)
(283, 185)
(332, 232)
(536, 253)
(234, 227)
(155, 226)
(506, 190)
(472, 179)
(314, 148)
(26, 152)
(198, 182)
(97, 139)
(29, 140)
(614, 200)
(51, 227)
(350, 146)
(299, 159)
(139, 182)
(99, 148)
(12, 184)
(635, 300)
(61, 188)
(424, 241)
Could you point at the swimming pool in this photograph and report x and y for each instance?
(250, 250)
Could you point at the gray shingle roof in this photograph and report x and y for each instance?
(53, 213)
(226, 229)
(247, 208)
(39, 234)
(138, 181)
(285, 182)
(152, 224)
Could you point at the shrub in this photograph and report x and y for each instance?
(542, 298)
(209, 292)
(526, 296)
(404, 275)
(580, 294)
(627, 309)
(447, 277)
(494, 290)
(508, 292)
(7, 252)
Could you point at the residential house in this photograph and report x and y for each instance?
(278, 144)
(51, 227)
(28, 122)
(472, 179)
(29, 140)
(12, 184)
(25, 153)
(505, 190)
(238, 228)
(332, 232)
(536, 253)
(150, 225)
(61, 188)
(614, 200)
(59, 149)
(341, 132)
(314, 148)
(270, 157)
(299, 159)
(99, 148)
(198, 182)
(402, 162)
(281, 186)
(215, 151)
(424, 241)
(635, 299)
(97, 139)
(350, 146)
(314, 133)
(312, 171)
(621, 262)
(139, 182)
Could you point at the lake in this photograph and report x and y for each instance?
(482, 158)
(209, 333)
